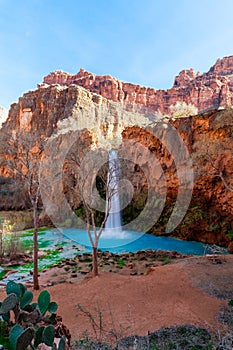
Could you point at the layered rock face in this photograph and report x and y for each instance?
(213, 89)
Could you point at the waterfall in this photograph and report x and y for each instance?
(114, 218)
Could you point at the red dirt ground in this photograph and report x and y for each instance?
(167, 295)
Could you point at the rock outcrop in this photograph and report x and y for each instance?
(213, 89)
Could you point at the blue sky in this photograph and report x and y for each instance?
(146, 42)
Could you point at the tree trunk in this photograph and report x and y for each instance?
(35, 250)
(95, 261)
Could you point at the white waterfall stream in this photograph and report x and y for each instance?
(113, 222)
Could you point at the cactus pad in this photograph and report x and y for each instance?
(25, 339)
(38, 336)
(62, 343)
(48, 335)
(8, 303)
(14, 334)
(26, 299)
(13, 287)
(43, 301)
(52, 307)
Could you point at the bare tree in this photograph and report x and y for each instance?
(85, 173)
(20, 154)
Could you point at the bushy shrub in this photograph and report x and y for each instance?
(183, 110)
(10, 243)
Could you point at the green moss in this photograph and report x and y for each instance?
(28, 243)
(230, 234)
(43, 263)
(26, 234)
(51, 254)
(44, 243)
(31, 230)
(166, 260)
(2, 274)
(25, 268)
(131, 211)
(193, 215)
(88, 260)
(121, 262)
(46, 264)
(213, 228)
(61, 244)
(42, 229)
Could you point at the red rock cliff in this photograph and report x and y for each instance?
(213, 89)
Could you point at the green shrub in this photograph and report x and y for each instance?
(10, 240)
(230, 234)
(121, 262)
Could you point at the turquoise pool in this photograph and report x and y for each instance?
(130, 241)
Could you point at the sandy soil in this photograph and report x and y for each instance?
(180, 293)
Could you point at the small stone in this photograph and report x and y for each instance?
(71, 263)
(61, 281)
(60, 265)
(59, 249)
(133, 273)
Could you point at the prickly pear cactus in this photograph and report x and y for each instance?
(23, 334)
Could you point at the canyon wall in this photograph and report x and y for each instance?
(61, 105)
(213, 89)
